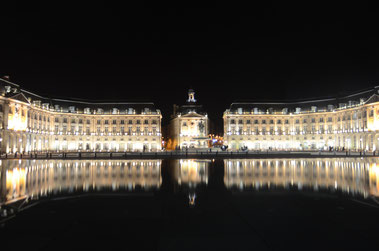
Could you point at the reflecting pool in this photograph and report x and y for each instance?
(232, 204)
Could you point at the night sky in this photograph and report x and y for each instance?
(276, 51)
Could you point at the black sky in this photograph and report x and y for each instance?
(274, 51)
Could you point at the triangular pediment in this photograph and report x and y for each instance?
(373, 99)
(20, 97)
(193, 114)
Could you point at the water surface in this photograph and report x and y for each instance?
(263, 204)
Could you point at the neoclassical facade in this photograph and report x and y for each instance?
(189, 126)
(29, 122)
(349, 123)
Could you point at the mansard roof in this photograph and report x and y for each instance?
(20, 97)
(322, 104)
(189, 108)
(78, 104)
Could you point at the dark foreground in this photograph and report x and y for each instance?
(265, 221)
(221, 219)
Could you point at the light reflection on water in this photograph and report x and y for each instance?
(354, 176)
(33, 179)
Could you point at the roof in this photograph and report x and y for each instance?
(361, 97)
(79, 104)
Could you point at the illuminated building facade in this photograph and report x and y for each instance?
(189, 127)
(31, 123)
(349, 123)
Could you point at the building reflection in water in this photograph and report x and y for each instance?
(189, 175)
(35, 178)
(355, 176)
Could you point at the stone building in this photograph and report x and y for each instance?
(29, 122)
(350, 122)
(189, 126)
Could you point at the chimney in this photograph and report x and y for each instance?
(6, 77)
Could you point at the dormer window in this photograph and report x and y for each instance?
(71, 108)
(131, 111)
